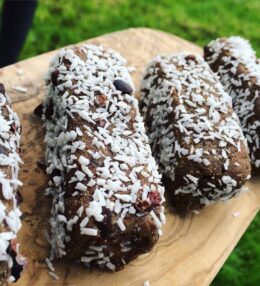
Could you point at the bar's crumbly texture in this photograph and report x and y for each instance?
(107, 196)
(194, 133)
(238, 68)
(11, 262)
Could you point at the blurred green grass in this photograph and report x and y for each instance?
(62, 22)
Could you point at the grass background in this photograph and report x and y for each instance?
(61, 22)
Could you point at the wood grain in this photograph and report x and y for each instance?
(191, 251)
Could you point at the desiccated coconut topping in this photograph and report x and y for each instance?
(186, 110)
(10, 214)
(96, 148)
(235, 62)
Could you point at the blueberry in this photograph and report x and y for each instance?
(38, 110)
(16, 270)
(123, 86)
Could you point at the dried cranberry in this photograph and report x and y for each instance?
(155, 198)
(66, 61)
(191, 58)
(13, 127)
(101, 122)
(38, 110)
(123, 86)
(142, 206)
(101, 99)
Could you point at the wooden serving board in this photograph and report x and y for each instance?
(191, 251)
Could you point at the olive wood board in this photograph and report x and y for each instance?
(192, 249)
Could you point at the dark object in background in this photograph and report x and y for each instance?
(16, 20)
